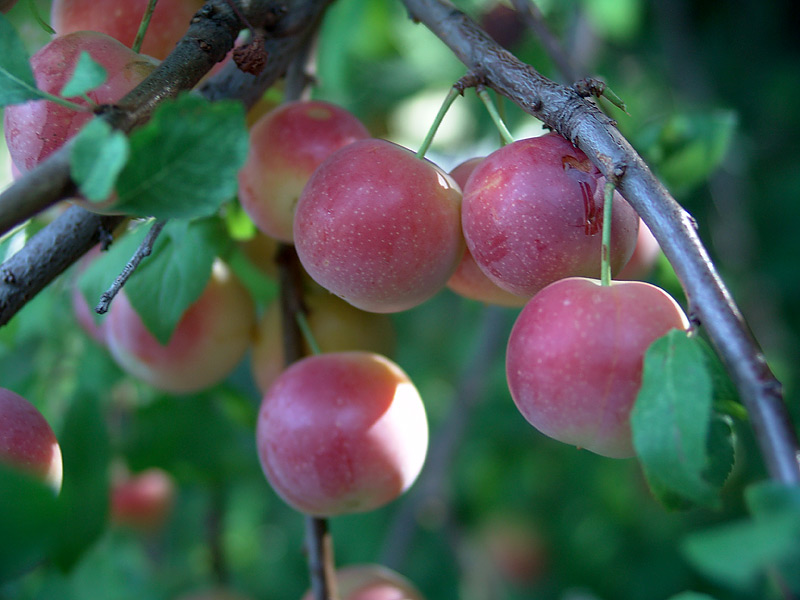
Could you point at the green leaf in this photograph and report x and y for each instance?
(88, 75)
(191, 437)
(671, 420)
(688, 147)
(173, 277)
(28, 514)
(98, 155)
(740, 554)
(83, 502)
(185, 161)
(691, 596)
(17, 83)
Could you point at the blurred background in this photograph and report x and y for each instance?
(501, 512)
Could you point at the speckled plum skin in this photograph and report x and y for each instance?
(286, 145)
(341, 433)
(379, 227)
(371, 582)
(37, 128)
(575, 354)
(26, 440)
(533, 214)
(208, 342)
(469, 280)
(336, 325)
(121, 19)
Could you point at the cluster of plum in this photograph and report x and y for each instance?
(379, 229)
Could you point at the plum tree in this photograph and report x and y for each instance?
(575, 355)
(286, 145)
(142, 501)
(336, 326)
(168, 24)
(379, 227)
(341, 432)
(372, 582)
(469, 280)
(533, 214)
(210, 339)
(26, 440)
(35, 129)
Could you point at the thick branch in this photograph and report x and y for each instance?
(207, 42)
(594, 133)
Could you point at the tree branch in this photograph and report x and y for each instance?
(208, 40)
(581, 122)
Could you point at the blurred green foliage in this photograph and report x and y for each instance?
(711, 90)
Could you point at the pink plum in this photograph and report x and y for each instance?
(341, 433)
(533, 214)
(575, 354)
(35, 129)
(379, 227)
(26, 440)
(208, 342)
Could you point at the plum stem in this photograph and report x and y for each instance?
(605, 249)
(148, 13)
(144, 250)
(448, 102)
(308, 335)
(505, 134)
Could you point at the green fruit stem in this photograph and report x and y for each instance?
(505, 134)
(137, 42)
(448, 101)
(305, 329)
(605, 250)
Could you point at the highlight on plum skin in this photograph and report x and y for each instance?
(533, 214)
(341, 433)
(27, 441)
(575, 355)
(379, 227)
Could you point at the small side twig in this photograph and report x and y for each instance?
(144, 250)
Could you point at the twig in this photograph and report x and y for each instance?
(144, 250)
(563, 110)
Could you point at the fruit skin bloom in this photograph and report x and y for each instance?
(341, 433)
(575, 355)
